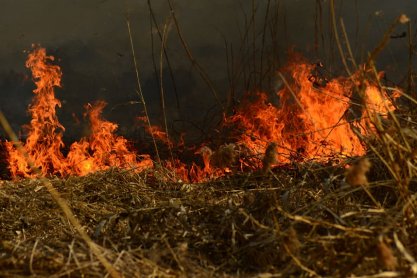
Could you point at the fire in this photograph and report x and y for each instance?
(376, 101)
(156, 132)
(313, 121)
(44, 141)
(102, 150)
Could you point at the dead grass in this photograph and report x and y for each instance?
(301, 221)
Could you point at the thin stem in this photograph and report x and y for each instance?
(140, 92)
(194, 62)
(161, 86)
(336, 35)
(168, 61)
(345, 36)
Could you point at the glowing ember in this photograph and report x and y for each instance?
(44, 141)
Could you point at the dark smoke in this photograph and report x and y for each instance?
(90, 41)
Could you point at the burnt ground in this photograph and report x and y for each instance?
(302, 220)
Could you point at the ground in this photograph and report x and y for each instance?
(298, 220)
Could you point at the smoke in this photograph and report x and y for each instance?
(90, 41)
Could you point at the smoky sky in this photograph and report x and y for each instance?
(90, 41)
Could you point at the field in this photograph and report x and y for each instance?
(314, 179)
(301, 220)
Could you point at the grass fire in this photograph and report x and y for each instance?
(302, 171)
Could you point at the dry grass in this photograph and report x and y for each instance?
(301, 219)
(306, 222)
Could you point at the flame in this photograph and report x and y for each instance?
(103, 149)
(376, 102)
(44, 141)
(156, 132)
(313, 120)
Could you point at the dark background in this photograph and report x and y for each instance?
(90, 41)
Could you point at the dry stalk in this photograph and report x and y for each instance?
(410, 61)
(31, 257)
(161, 86)
(349, 49)
(291, 241)
(402, 19)
(168, 61)
(406, 254)
(314, 222)
(299, 263)
(194, 62)
(263, 41)
(139, 91)
(174, 255)
(336, 35)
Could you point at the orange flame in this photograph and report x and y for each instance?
(44, 141)
(156, 132)
(376, 101)
(103, 149)
(312, 121)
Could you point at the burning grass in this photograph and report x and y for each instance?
(315, 119)
(300, 220)
(275, 200)
(43, 145)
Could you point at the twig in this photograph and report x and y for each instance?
(345, 36)
(194, 62)
(171, 72)
(299, 263)
(31, 257)
(336, 35)
(139, 91)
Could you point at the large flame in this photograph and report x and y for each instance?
(316, 118)
(102, 150)
(44, 141)
(313, 120)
